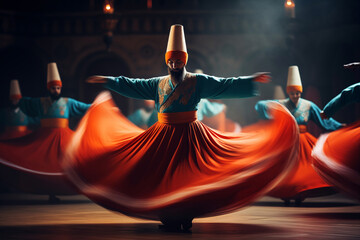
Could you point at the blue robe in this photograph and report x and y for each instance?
(192, 90)
(303, 113)
(348, 95)
(45, 108)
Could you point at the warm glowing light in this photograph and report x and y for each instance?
(290, 3)
(290, 8)
(108, 7)
(149, 4)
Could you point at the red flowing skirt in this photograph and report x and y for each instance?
(183, 170)
(303, 181)
(15, 132)
(337, 159)
(32, 163)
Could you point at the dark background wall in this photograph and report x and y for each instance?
(224, 38)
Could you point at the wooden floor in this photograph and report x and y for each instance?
(75, 217)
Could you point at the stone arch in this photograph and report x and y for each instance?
(101, 63)
(197, 60)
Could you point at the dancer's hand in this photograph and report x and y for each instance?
(262, 77)
(352, 65)
(96, 79)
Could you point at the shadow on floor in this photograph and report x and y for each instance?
(307, 204)
(135, 231)
(334, 215)
(42, 200)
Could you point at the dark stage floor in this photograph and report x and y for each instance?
(75, 217)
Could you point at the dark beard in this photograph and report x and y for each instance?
(55, 97)
(13, 106)
(176, 75)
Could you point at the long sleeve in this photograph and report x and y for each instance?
(30, 106)
(327, 124)
(348, 95)
(216, 87)
(76, 108)
(261, 108)
(209, 109)
(133, 87)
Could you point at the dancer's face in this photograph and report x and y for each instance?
(175, 65)
(55, 92)
(176, 69)
(294, 96)
(14, 103)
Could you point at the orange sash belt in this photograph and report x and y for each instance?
(177, 117)
(302, 128)
(16, 128)
(54, 122)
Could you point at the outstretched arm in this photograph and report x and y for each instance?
(97, 79)
(234, 87)
(348, 95)
(352, 65)
(262, 77)
(129, 87)
(327, 124)
(77, 108)
(262, 108)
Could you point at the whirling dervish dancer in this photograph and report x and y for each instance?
(14, 122)
(304, 182)
(178, 169)
(337, 154)
(32, 163)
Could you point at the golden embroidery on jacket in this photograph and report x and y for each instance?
(182, 92)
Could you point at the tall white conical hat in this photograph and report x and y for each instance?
(53, 76)
(278, 92)
(176, 47)
(293, 80)
(15, 89)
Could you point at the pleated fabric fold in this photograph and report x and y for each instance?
(303, 181)
(337, 159)
(32, 163)
(186, 170)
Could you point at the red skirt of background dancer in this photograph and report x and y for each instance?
(32, 163)
(179, 167)
(337, 159)
(303, 181)
(15, 132)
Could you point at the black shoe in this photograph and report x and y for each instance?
(186, 225)
(170, 228)
(286, 202)
(298, 201)
(53, 199)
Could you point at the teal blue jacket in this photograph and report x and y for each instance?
(186, 95)
(303, 113)
(348, 95)
(45, 108)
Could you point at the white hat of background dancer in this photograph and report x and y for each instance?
(176, 47)
(293, 80)
(278, 92)
(53, 76)
(15, 90)
(198, 70)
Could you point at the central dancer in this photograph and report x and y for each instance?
(178, 169)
